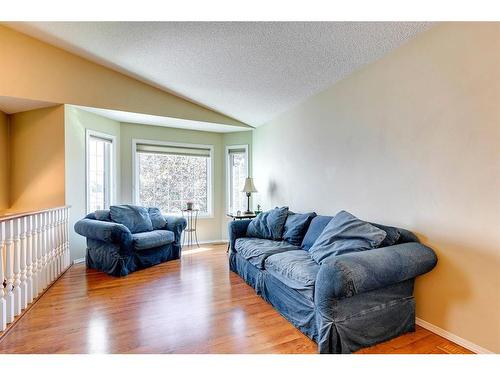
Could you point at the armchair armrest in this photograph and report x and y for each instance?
(237, 229)
(176, 224)
(350, 274)
(104, 231)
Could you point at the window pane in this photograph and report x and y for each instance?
(99, 173)
(170, 181)
(238, 173)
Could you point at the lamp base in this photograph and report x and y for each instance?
(248, 213)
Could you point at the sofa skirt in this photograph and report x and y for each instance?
(346, 325)
(106, 257)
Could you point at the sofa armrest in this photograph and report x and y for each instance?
(104, 231)
(237, 229)
(176, 224)
(350, 274)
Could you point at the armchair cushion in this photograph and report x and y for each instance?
(135, 218)
(148, 240)
(296, 226)
(268, 225)
(157, 219)
(345, 233)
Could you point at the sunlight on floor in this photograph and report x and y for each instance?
(196, 250)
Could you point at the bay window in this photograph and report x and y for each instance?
(168, 175)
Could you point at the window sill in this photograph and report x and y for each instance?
(207, 216)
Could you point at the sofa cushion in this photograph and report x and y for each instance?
(268, 225)
(296, 226)
(135, 218)
(157, 219)
(256, 250)
(345, 233)
(296, 269)
(315, 228)
(148, 240)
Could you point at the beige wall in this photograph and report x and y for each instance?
(412, 140)
(37, 159)
(4, 161)
(76, 124)
(33, 69)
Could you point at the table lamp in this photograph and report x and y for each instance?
(249, 189)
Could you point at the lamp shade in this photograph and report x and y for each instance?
(249, 186)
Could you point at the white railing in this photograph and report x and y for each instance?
(34, 251)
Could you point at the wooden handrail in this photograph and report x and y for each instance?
(17, 215)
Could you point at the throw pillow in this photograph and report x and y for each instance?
(345, 233)
(135, 218)
(102, 215)
(296, 227)
(268, 225)
(392, 237)
(157, 218)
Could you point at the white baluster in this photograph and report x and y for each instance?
(66, 238)
(9, 273)
(54, 245)
(39, 262)
(3, 302)
(61, 239)
(59, 242)
(29, 259)
(44, 251)
(34, 258)
(22, 262)
(50, 260)
(48, 254)
(17, 268)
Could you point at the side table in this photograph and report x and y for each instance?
(190, 231)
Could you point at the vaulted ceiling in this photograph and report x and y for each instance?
(251, 71)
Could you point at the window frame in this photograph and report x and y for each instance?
(228, 171)
(210, 171)
(89, 133)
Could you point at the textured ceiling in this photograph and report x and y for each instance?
(246, 70)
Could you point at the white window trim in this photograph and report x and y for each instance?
(228, 182)
(112, 196)
(211, 169)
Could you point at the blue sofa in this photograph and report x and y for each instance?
(118, 249)
(347, 302)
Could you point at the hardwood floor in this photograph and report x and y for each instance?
(194, 305)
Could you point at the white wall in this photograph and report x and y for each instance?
(412, 140)
(76, 123)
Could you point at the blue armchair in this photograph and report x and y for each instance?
(113, 248)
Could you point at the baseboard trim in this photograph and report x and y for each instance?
(218, 242)
(452, 337)
(79, 260)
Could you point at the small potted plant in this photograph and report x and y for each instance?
(189, 205)
(258, 210)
